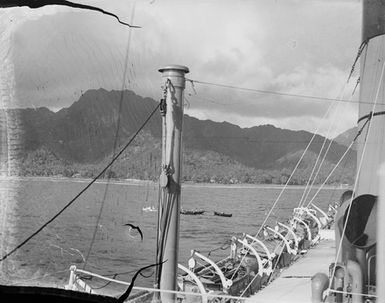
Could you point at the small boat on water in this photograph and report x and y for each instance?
(192, 211)
(222, 214)
(149, 208)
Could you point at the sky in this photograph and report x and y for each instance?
(301, 47)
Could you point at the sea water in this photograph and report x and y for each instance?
(101, 213)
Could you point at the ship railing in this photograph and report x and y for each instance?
(77, 284)
(261, 268)
(299, 212)
(226, 283)
(268, 266)
(285, 241)
(291, 232)
(256, 241)
(324, 219)
(306, 227)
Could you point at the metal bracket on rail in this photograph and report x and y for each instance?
(226, 283)
(310, 213)
(292, 233)
(306, 226)
(255, 253)
(289, 249)
(196, 280)
(326, 220)
(269, 255)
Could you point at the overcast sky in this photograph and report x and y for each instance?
(292, 46)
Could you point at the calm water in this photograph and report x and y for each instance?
(47, 257)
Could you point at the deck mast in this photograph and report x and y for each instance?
(170, 179)
(371, 143)
(372, 91)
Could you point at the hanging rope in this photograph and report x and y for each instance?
(165, 199)
(82, 191)
(260, 91)
(115, 141)
(355, 87)
(348, 150)
(360, 50)
(314, 177)
(370, 115)
(283, 189)
(308, 186)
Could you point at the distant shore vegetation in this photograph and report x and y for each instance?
(197, 168)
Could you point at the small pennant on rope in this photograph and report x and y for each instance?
(41, 3)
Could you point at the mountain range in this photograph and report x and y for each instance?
(85, 134)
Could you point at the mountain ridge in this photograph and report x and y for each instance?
(85, 133)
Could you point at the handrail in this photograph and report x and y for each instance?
(306, 226)
(370, 267)
(264, 247)
(73, 270)
(252, 249)
(196, 280)
(291, 232)
(225, 282)
(289, 249)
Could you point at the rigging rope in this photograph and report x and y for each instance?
(302, 202)
(318, 171)
(304, 197)
(283, 189)
(348, 149)
(163, 213)
(370, 115)
(83, 190)
(331, 126)
(360, 50)
(332, 171)
(115, 140)
(315, 98)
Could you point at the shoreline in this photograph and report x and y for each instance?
(136, 182)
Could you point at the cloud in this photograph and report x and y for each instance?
(298, 47)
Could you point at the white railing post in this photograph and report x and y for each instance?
(72, 278)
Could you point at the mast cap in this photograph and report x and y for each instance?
(175, 67)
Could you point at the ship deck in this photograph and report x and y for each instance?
(294, 283)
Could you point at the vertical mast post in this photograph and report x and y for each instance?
(372, 144)
(372, 90)
(380, 270)
(170, 179)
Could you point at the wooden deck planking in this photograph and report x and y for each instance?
(294, 283)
